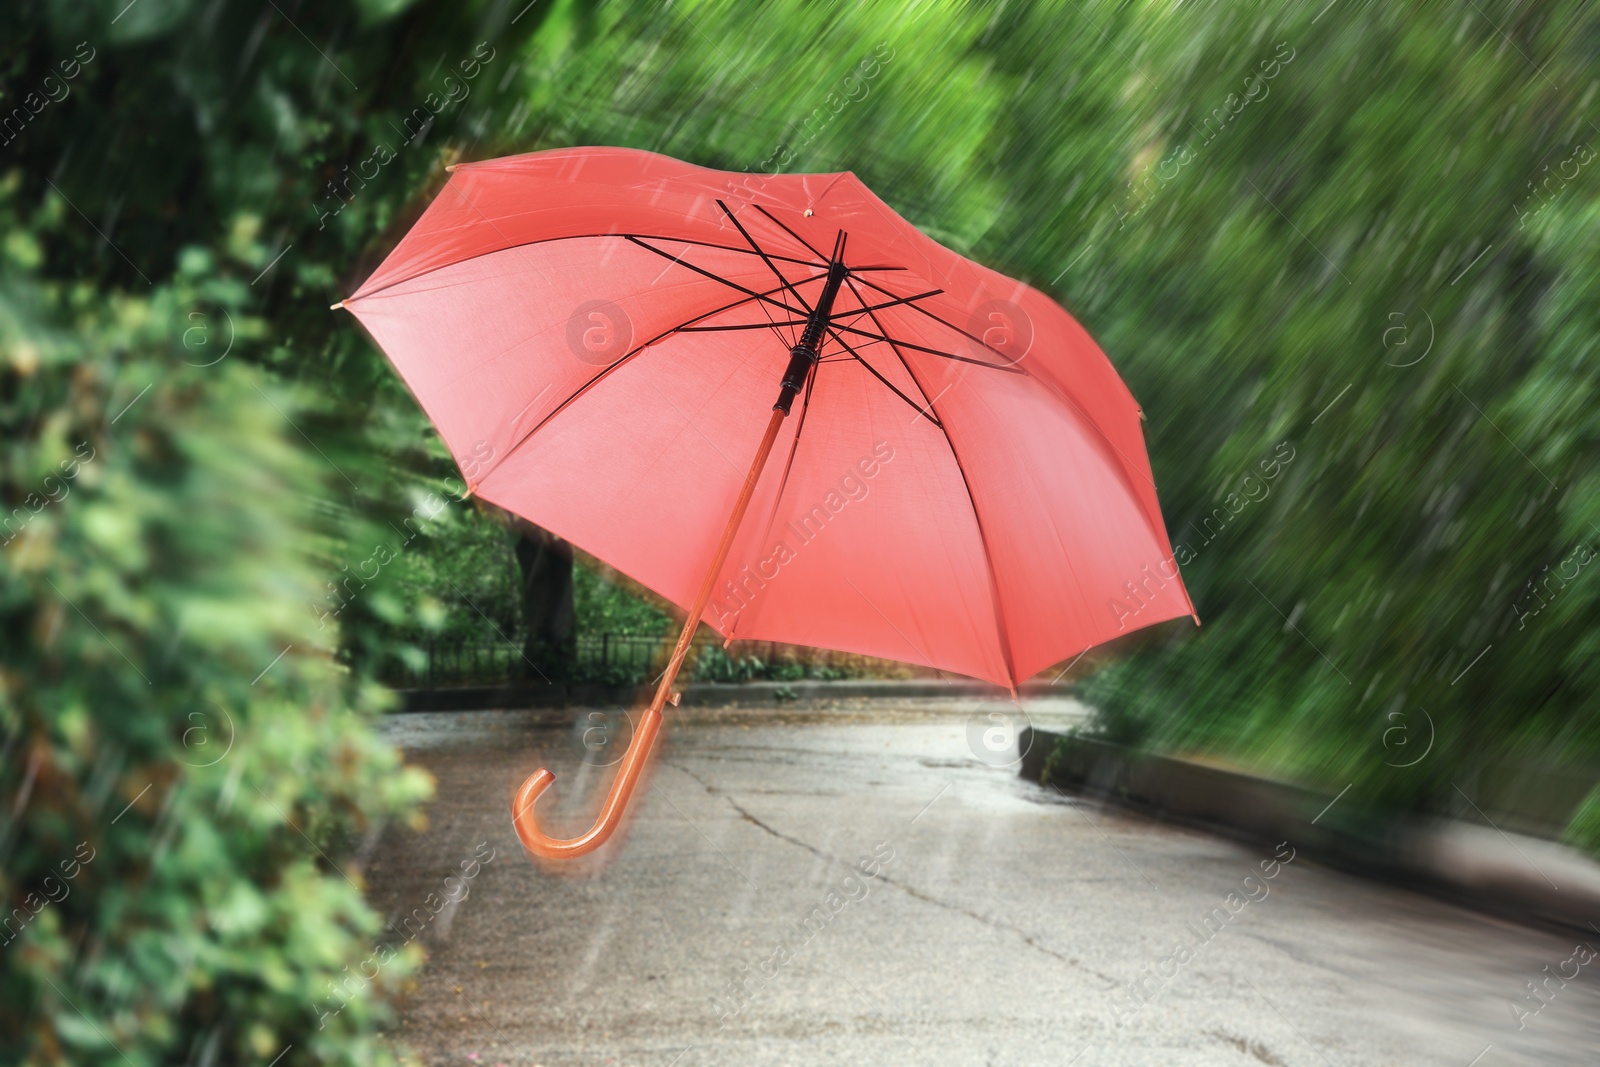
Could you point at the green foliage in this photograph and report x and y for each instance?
(1377, 183)
(787, 670)
(458, 579)
(604, 608)
(193, 448)
(715, 665)
(1584, 830)
(173, 719)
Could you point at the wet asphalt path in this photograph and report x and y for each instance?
(998, 923)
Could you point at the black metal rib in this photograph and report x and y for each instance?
(1127, 463)
(715, 277)
(864, 346)
(888, 303)
(813, 250)
(1001, 634)
(743, 326)
(595, 236)
(892, 346)
(934, 351)
(801, 322)
(608, 369)
(943, 322)
(762, 253)
(923, 411)
(866, 309)
(725, 248)
(770, 266)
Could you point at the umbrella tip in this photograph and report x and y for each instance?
(450, 168)
(1195, 617)
(809, 213)
(336, 307)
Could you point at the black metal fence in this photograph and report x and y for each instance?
(605, 657)
(615, 659)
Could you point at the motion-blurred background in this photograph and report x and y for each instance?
(1344, 257)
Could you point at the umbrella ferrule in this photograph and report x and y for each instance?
(806, 351)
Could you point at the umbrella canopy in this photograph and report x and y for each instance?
(599, 335)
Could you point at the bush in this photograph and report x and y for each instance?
(715, 665)
(191, 766)
(193, 449)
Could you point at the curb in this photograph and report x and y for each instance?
(478, 698)
(1513, 876)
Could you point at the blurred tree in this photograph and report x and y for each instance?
(1324, 261)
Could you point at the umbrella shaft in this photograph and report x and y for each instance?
(704, 596)
(807, 350)
(818, 320)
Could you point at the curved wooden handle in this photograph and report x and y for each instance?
(644, 735)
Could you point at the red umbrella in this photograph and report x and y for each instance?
(603, 336)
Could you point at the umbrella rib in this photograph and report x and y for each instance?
(812, 248)
(801, 322)
(591, 237)
(943, 322)
(893, 346)
(724, 248)
(607, 370)
(770, 266)
(1128, 463)
(1001, 634)
(862, 345)
(787, 342)
(910, 301)
(764, 257)
(865, 308)
(715, 277)
(933, 351)
(911, 403)
(742, 326)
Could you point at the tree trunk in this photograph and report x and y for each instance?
(548, 619)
